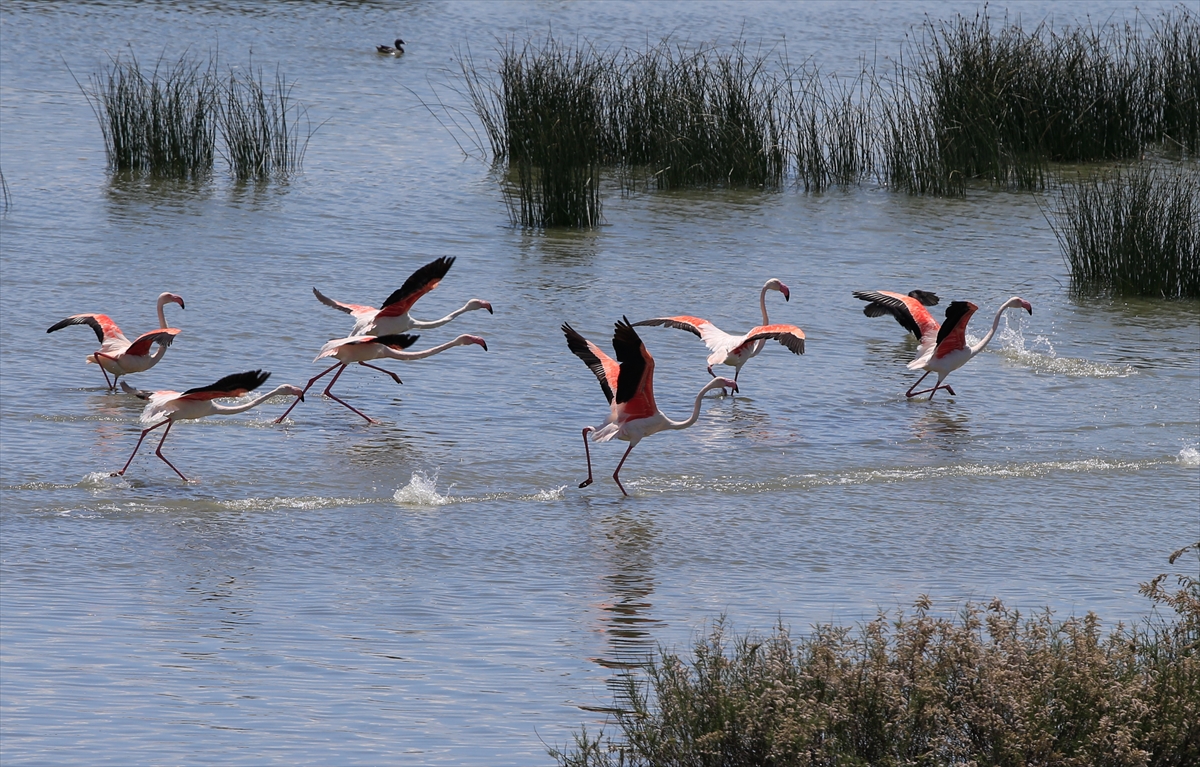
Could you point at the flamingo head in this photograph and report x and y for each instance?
(479, 303)
(1016, 301)
(170, 298)
(294, 391)
(774, 284)
(464, 339)
(725, 383)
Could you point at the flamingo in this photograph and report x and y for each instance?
(391, 50)
(634, 414)
(393, 317)
(737, 350)
(172, 406)
(942, 349)
(117, 354)
(362, 348)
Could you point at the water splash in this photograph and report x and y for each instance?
(1190, 456)
(553, 494)
(280, 502)
(421, 490)
(1038, 355)
(102, 480)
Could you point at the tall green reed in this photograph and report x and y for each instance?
(159, 122)
(260, 126)
(1132, 232)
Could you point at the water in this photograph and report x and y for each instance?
(435, 589)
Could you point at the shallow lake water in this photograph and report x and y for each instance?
(435, 589)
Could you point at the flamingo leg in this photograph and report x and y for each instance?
(112, 386)
(300, 398)
(616, 478)
(333, 397)
(158, 452)
(395, 377)
(587, 453)
(934, 389)
(121, 473)
(910, 392)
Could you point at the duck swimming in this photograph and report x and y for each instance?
(389, 50)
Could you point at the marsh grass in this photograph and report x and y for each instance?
(543, 116)
(990, 687)
(165, 122)
(260, 126)
(159, 122)
(1132, 232)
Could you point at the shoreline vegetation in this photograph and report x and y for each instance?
(165, 122)
(968, 102)
(990, 687)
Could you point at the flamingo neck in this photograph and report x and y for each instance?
(713, 384)
(162, 318)
(419, 325)
(231, 409)
(977, 348)
(762, 303)
(399, 355)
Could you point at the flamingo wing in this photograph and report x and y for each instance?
(635, 384)
(141, 345)
(397, 340)
(789, 335)
(925, 297)
(605, 368)
(418, 284)
(102, 324)
(139, 393)
(354, 310)
(908, 310)
(953, 334)
(234, 385)
(683, 322)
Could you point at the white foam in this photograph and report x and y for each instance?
(552, 494)
(1039, 356)
(421, 490)
(1190, 456)
(102, 479)
(279, 502)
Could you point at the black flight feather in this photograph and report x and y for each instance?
(434, 270)
(579, 345)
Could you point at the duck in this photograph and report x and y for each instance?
(392, 50)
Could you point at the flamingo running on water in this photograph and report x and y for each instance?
(362, 348)
(117, 354)
(737, 350)
(393, 317)
(628, 383)
(172, 406)
(942, 349)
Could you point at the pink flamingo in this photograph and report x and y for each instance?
(737, 350)
(943, 349)
(628, 383)
(393, 317)
(362, 348)
(117, 354)
(172, 406)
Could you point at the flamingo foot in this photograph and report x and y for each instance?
(585, 483)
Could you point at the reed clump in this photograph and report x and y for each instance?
(543, 117)
(701, 118)
(991, 687)
(165, 122)
(988, 101)
(159, 122)
(1132, 232)
(259, 126)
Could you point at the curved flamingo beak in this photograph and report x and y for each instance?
(480, 341)
(787, 294)
(1027, 306)
(178, 300)
(487, 305)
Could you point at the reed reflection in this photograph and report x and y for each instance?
(626, 621)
